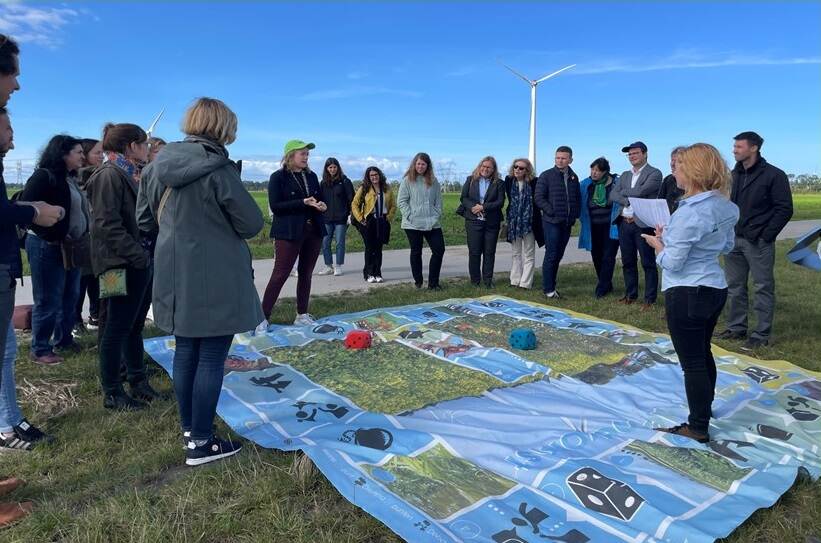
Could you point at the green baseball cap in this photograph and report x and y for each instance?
(295, 145)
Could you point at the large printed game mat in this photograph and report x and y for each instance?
(446, 434)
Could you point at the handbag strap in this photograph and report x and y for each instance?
(163, 199)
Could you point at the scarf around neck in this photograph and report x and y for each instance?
(520, 211)
(119, 160)
(600, 191)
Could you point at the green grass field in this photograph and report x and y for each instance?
(119, 477)
(807, 205)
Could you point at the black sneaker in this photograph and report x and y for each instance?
(69, 348)
(15, 443)
(123, 402)
(213, 449)
(186, 437)
(754, 343)
(143, 392)
(30, 433)
(730, 334)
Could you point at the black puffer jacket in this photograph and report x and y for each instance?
(338, 196)
(559, 202)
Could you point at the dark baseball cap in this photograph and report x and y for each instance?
(635, 145)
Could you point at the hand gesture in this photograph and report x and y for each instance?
(476, 209)
(659, 230)
(47, 214)
(310, 201)
(654, 242)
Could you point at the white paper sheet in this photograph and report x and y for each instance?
(651, 212)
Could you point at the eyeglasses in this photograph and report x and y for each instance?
(517, 167)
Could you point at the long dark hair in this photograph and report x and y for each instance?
(52, 157)
(327, 179)
(366, 180)
(117, 137)
(411, 173)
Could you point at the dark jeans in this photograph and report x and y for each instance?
(756, 259)
(481, 243)
(7, 290)
(55, 292)
(631, 242)
(556, 237)
(90, 285)
(121, 339)
(373, 249)
(604, 252)
(692, 313)
(436, 242)
(285, 254)
(198, 369)
(337, 231)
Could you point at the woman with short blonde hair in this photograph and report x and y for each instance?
(211, 119)
(524, 222)
(694, 285)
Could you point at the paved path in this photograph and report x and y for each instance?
(396, 268)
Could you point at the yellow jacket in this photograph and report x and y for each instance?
(362, 207)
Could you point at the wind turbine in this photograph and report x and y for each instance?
(151, 128)
(531, 151)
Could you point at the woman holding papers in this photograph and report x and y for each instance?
(693, 283)
(599, 233)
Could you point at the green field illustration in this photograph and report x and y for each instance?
(707, 468)
(565, 351)
(439, 483)
(388, 377)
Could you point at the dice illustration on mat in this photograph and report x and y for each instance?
(604, 495)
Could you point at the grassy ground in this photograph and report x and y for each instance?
(118, 477)
(807, 205)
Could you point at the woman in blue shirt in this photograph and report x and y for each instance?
(692, 281)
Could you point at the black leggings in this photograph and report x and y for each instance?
(436, 242)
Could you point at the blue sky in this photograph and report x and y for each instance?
(373, 83)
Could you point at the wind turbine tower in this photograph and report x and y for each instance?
(531, 151)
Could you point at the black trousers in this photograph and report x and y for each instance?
(89, 284)
(482, 240)
(121, 337)
(631, 244)
(373, 249)
(692, 313)
(604, 252)
(436, 242)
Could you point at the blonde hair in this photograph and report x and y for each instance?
(212, 119)
(703, 168)
(288, 160)
(475, 175)
(529, 175)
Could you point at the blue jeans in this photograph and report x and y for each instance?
(556, 237)
(199, 365)
(336, 230)
(55, 296)
(10, 414)
(631, 243)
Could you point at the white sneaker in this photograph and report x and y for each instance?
(337, 271)
(371, 279)
(327, 271)
(379, 279)
(305, 319)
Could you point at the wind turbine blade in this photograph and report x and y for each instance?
(557, 72)
(154, 124)
(528, 81)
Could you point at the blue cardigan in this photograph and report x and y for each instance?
(585, 240)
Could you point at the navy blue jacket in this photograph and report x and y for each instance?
(10, 216)
(285, 198)
(558, 203)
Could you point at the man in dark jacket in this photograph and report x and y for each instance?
(641, 181)
(12, 215)
(762, 193)
(558, 194)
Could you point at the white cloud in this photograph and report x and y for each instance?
(688, 59)
(33, 24)
(356, 91)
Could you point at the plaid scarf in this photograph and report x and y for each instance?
(519, 211)
(119, 160)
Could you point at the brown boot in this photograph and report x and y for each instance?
(11, 512)
(684, 430)
(9, 485)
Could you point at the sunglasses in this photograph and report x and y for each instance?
(517, 167)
